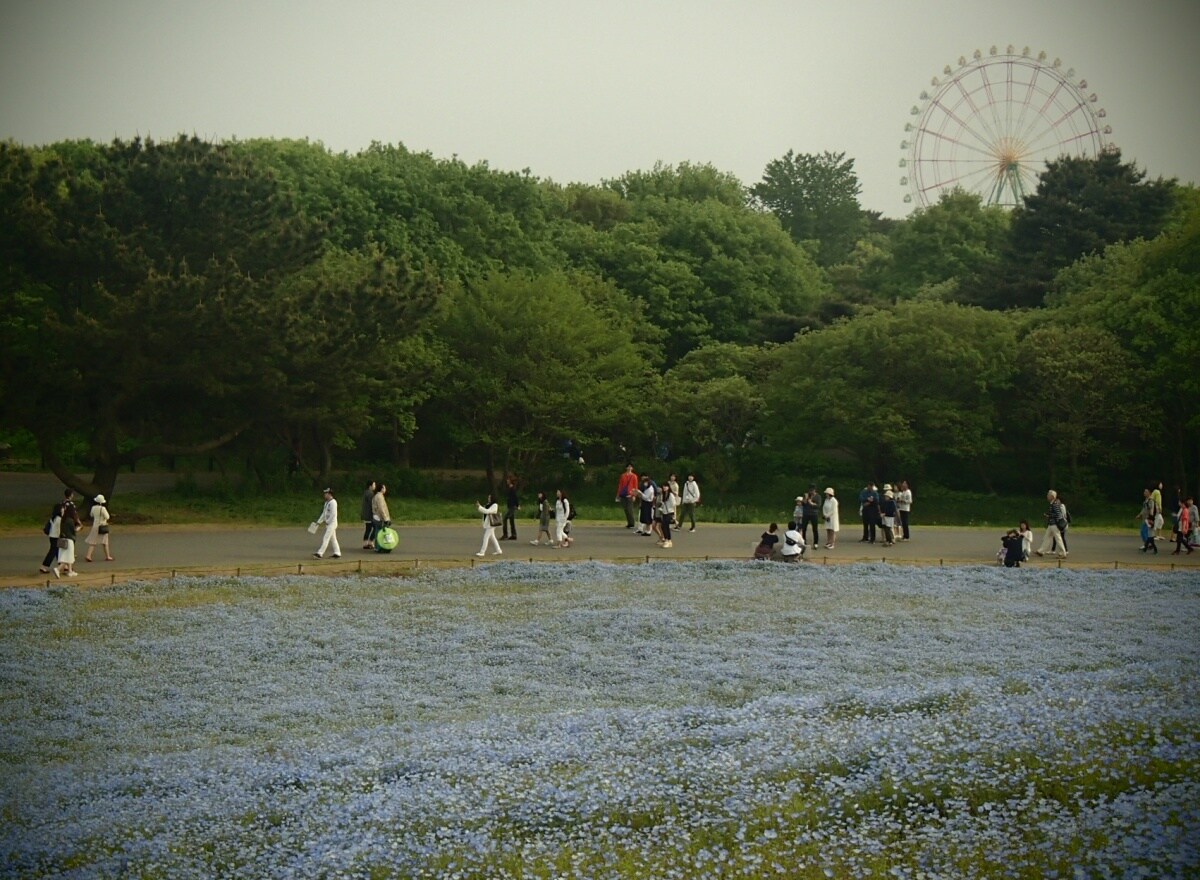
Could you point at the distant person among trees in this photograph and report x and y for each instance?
(666, 516)
(904, 500)
(366, 511)
(628, 495)
(833, 523)
(689, 500)
(1194, 512)
(1055, 523)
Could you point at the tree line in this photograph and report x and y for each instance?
(271, 298)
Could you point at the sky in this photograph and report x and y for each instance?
(580, 91)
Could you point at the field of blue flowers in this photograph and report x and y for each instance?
(712, 720)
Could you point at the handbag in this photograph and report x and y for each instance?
(493, 520)
(103, 530)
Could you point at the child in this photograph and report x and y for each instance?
(1148, 542)
(1026, 534)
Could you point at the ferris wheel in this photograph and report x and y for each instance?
(990, 126)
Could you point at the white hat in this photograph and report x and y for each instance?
(799, 497)
(887, 487)
(829, 491)
(100, 499)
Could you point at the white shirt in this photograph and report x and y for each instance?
(329, 513)
(796, 547)
(904, 500)
(691, 492)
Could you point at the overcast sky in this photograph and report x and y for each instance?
(579, 91)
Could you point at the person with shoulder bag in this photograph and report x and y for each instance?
(99, 531)
(491, 522)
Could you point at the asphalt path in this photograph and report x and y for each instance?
(156, 552)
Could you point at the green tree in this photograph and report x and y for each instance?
(815, 197)
(1081, 206)
(534, 360)
(892, 386)
(1144, 293)
(958, 240)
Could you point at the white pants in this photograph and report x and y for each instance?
(560, 533)
(1053, 541)
(489, 537)
(330, 538)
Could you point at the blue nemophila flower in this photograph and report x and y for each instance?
(689, 720)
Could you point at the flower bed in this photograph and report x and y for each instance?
(670, 720)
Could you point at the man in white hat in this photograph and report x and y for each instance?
(330, 520)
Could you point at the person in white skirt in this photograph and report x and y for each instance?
(99, 530)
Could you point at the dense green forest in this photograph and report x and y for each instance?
(268, 299)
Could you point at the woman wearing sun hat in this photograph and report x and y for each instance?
(833, 523)
(99, 532)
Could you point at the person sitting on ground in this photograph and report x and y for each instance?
(768, 542)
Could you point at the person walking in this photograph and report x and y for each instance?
(65, 563)
(904, 500)
(646, 497)
(1054, 525)
(1183, 528)
(668, 517)
(562, 519)
(381, 517)
(512, 503)
(1194, 512)
(491, 519)
(628, 495)
(688, 502)
(329, 518)
(1146, 518)
(98, 534)
(544, 511)
(54, 528)
(1065, 525)
(366, 511)
(833, 523)
(1159, 520)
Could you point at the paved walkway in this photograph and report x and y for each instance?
(159, 551)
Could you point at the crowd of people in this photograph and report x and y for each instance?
(662, 510)
(1185, 531)
(62, 528)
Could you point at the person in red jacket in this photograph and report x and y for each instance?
(627, 494)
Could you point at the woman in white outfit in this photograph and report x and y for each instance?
(491, 519)
(562, 514)
(833, 523)
(99, 531)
